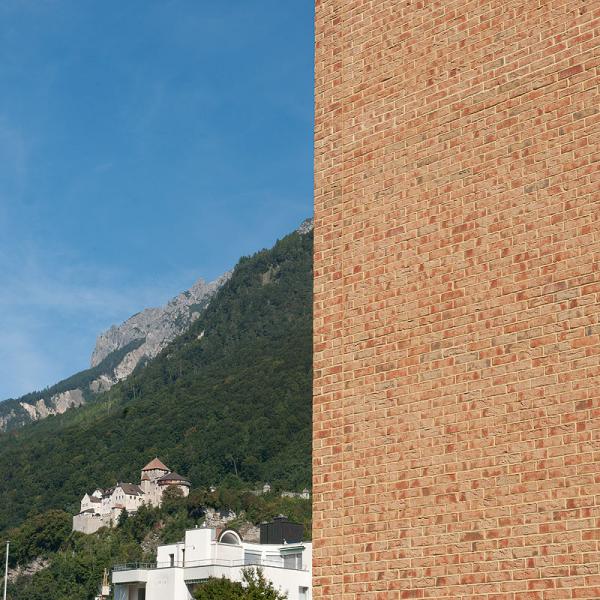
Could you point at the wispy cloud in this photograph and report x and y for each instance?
(25, 366)
(51, 310)
(126, 162)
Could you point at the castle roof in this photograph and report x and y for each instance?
(155, 464)
(173, 478)
(131, 489)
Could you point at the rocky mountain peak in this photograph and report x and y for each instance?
(155, 327)
(117, 353)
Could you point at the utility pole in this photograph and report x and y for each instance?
(6, 569)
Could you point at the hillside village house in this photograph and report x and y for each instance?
(284, 559)
(103, 507)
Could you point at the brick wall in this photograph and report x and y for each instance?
(457, 300)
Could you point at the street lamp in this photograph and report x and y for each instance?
(6, 568)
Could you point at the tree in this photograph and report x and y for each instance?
(259, 588)
(220, 589)
(172, 499)
(123, 518)
(254, 587)
(40, 536)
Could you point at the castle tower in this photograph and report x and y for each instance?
(150, 476)
(154, 470)
(457, 300)
(145, 483)
(173, 480)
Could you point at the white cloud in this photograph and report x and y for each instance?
(52, 308)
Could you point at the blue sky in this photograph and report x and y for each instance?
(143, 144)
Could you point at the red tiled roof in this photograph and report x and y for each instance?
(155, 464)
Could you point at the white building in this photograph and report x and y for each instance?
(179, 568)
(102, 508)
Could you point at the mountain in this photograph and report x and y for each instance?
(228, 400)
(117, 353)
(154, 328)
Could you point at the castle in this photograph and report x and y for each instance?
(103, 507)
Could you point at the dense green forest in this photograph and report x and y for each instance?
(230, 399)
(18, 416)
(74, 562)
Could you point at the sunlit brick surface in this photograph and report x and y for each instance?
(457, 300)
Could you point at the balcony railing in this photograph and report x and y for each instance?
(210, 562)
(138, 566)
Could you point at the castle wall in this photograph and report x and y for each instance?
(457, 300)
(90, 523)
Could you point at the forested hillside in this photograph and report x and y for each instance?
(231, 398)
(71, 564)
(73, 391)
(117, 353)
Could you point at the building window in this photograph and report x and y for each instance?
(274, 560)
(302, 593)
(292, 561)
(251, 558)
(172, 559)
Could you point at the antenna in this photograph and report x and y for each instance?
(6, 568)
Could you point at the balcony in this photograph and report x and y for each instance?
(132, 573)
(196, 570)
(232, 569)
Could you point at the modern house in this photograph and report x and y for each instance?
(281, 554)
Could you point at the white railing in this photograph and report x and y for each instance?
(139, 566)
(209, 562)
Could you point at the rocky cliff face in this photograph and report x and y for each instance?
(118, 352)
(15, 413)
(55, 405)
(154, 328)
(306, 226)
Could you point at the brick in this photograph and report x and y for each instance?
(457, 300)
